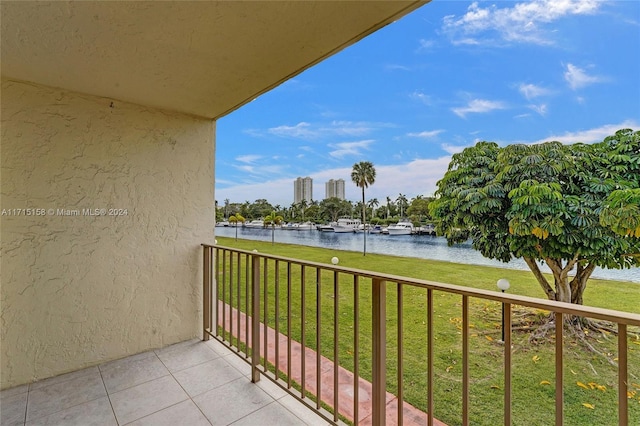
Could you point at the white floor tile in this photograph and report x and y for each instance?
(53, 398)
(181, 356)
(93, 413)
(185, 413)
(124, 375)
(204, 377)
(231, 402)
(13, 408)
(141, 400)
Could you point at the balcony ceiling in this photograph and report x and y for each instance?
(201, 58)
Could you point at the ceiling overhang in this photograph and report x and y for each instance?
(205, 58)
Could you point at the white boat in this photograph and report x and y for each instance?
(223, 223)
(344, 225)
(326, 228)
(375, 229)
(401, 228)
(255, 224)
(305, 226)
(427, 229)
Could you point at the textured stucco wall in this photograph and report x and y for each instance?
(79, 290)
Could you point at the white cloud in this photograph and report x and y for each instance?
(530, 91)
(301, 130)
(453, 149)
(540, 109)
(418, 177)
(427, 134)
(524, 22)
(393, 67)
(314, 131)
(577, 77)
(425, 45)
(343, 149)
(478, 106)
(248, 158)
(350, 128)
(419, 96)
(596, 134)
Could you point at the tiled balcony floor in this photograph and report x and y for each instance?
(193, 383)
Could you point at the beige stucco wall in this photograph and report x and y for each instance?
(79, 290)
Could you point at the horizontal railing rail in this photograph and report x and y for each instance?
(316, 328)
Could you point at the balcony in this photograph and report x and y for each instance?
(252, 366)
(313, 328)
(192, 383)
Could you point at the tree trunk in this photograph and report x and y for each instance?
(565, 288)
(542, 280)
(579, 282)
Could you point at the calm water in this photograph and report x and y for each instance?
(420, 246)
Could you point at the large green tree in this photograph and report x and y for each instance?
(420, 207)
(572, 207)
(363, 175)
(333, 207)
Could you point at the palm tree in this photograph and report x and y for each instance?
(363, 175)
(274, 219)
(226, 208)
(302, 205)
(373, 204)
(235, 219)
(388, 209)
(402, 202)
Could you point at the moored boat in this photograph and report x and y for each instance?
(255, 224)
(401, 228)
(305, 226)
(326, 228)
(344, 225)
(375, 229)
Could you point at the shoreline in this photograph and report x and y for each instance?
(604, 293)
(405, 245)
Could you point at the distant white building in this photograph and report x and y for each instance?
(334, 188)
(302, 189)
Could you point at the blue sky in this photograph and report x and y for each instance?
(441, 79)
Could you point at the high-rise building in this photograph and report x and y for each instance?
(302, 189)
(334, 188)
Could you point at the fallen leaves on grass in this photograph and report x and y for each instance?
(535, 359)
(589, 406)
(545, 382)
(489, 338)
(592, 386)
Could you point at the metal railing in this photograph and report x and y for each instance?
(297, 322)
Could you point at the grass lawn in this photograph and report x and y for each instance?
(590, 391)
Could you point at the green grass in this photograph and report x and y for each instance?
(533, 401)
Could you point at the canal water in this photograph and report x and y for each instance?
(420, 246)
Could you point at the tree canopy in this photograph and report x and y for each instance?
(573, 207)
